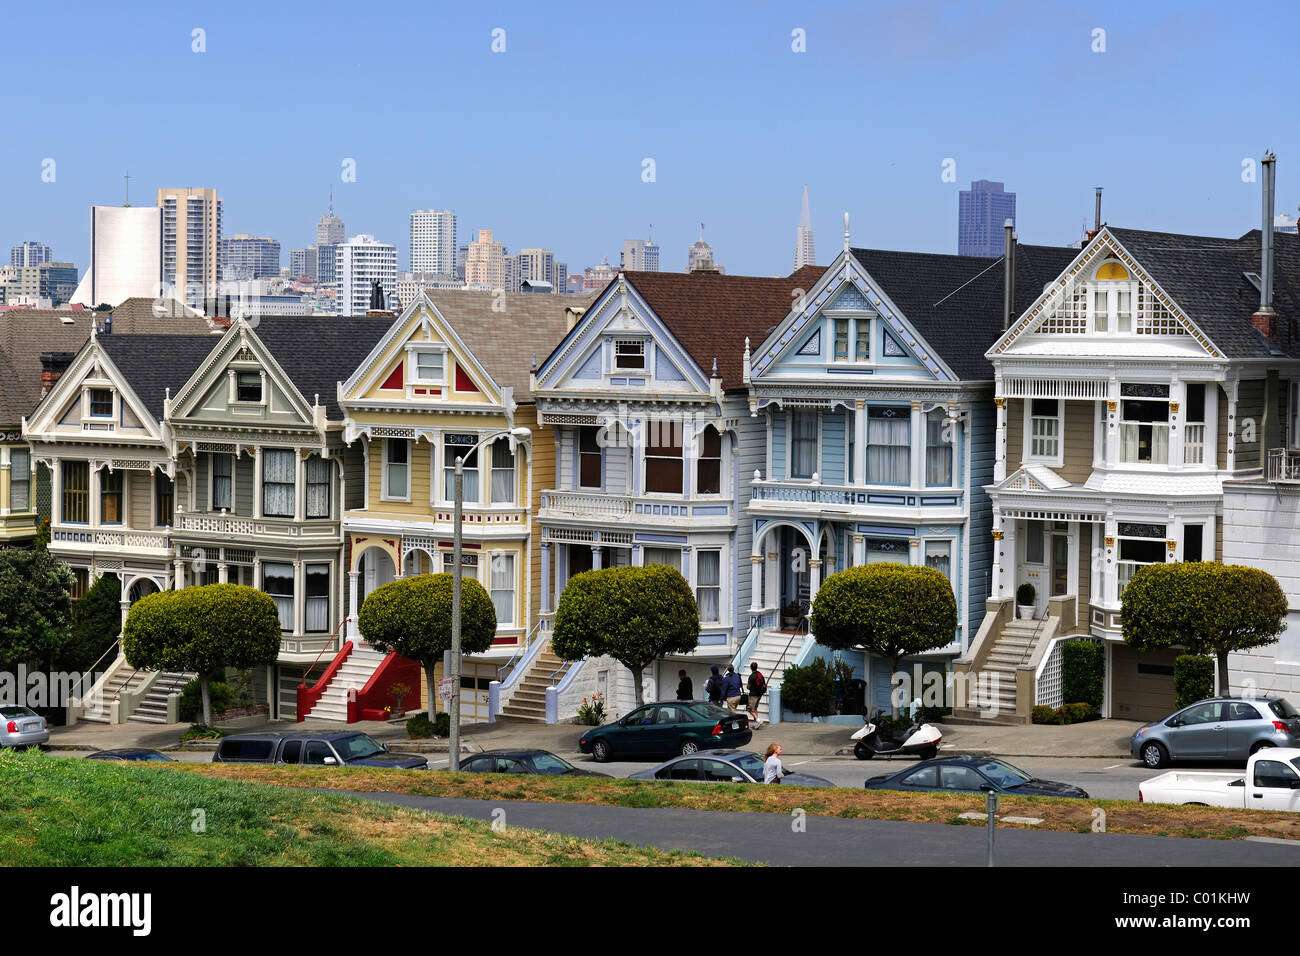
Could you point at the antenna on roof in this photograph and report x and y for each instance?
(331, 200)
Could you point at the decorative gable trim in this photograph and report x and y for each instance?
(91, 365)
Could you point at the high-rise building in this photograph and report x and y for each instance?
(327, 264)
(329, 230)
(537, 265)
(462, 253)
(640, 255)
(249, 257)
(804, 254)
(433, 241)
(485, 262)
(561, 277)
(982, 211)
(191, 224)
(46, 285)
(125, 255)
(30, 254)
(595, 278)
(699, 258)
(358, 263)
(303, 263)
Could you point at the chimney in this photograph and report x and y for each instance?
(1096, 215)
(1265, 320)
(1009, 274)
(53, 365)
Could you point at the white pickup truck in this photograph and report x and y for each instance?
(1271, 782)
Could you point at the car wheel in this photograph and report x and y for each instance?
(929, 753)
(689, 747)
(1262, 745)
(862, 751)
(601, 751)
(1154, 756)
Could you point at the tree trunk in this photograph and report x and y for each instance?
(207, 700)
(636, 681)
(1223, 674)
(893, 696)
(433, 690)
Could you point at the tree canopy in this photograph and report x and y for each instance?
(1205, 606)
(35, 610)
(635, 615)
(96, 622)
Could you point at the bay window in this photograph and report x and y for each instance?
(1194, 434)
(663, 457)
(20, 480)
(318, 487)
(397, 459)
(318, 599)
(889, 446)
(670, 557)
(503, 473)
(938, 448)
(277, 482)
(277, 581)
(708, 469)
(882, 550)
(1144, 424)
(708, 586)
(938, 555)
(458, 446)
(1045, 428)
(501, 585)
(803, 443)
(1139, 544)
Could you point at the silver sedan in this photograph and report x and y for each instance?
(20, 727)
(723, 766)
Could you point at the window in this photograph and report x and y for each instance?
(397, 453)
(101, 403)
(277, 581)
(468, 563)
(222, 466)
(503, 473)
(1144, 426)
(1139, 544)
(663, 457)
(684, 770)
(708, 586)
(925, 777)
(938, 555)
(841, 340)
(458, 446)
(76, 492)
(430, 367)
(318, 599)
(318, 487)
(956, 777)
(719, 771)
(881, 550)
(110, 497)
(248, 387)
(502, 587)
(708, 470)
(291, 752)
(629, 353)
(939, 431)
(589, 456)
(164, 497)
(1274, 773)
(277, 482)
(1194, 433)
(317, 752)
(1045, 428)
(1193, 542)
(861, 341)
(803, 444)
(1035, 549)
(670, 557)
(889, 446)
(1238, 710)
(20, 480)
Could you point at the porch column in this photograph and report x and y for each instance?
(56, 492)
(125, 601)
(178, 575)
(1008, 584)
(756, 582)
(859, 442)
(299, 604)
(353, 608)
(1000, 443)
(595, 557)
(223, 573)
(917, 434)
(257, 482)
(299, 486)
(94, 496)
(546, 577)
(1110, 570)
(814, 577)
(638, 556)
(859, 550)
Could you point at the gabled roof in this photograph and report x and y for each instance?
(505, 339)
(152, 364)
(711, 314)
(956, 302)
(318, 353)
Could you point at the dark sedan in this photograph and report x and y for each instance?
(972, 775)
(524, 761)
(669, 727)
(723, 766)
(132, 753)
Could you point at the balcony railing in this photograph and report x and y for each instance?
(1194, 445)
(618, 507)
(582, 504)
(125, 538)
(803, 492)
(1284, 464)
(241, 526)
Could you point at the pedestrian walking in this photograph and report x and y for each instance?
(757, 687)
(685, 689)
(772, 769)
(713, 686)
(732, 689)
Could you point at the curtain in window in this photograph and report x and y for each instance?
(277, 581)
(1159, 445)
(453, 446)
(503, 473)
(20, 476)
(889, 448)
(502, 586)
(1128, 436)
(318, 487)
(938, 453)
(938, 555)
(803, 444)
(110, 497)
(318, 598)
(277, 482)
(221, 466)
(708, 591)
(672, 557)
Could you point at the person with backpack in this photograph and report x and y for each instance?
(732, 689)
(685, 690)
(757, 687)
(713, 686)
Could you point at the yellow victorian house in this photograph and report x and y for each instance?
(452, 372)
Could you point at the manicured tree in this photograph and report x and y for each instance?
(892, 610)
(35, 610)
(634, 615)
(96, 622)
(202, 629)
(1204, 606)
(412, 616)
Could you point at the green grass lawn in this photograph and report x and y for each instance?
(70, 812)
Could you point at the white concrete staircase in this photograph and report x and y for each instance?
(528, 701)
(359, 667)
(774, 651)
(153, 708)
(125, 678)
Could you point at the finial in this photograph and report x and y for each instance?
(534, 365)
(316, 399)
(846, 232)
(715, 367)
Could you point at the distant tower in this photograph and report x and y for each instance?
(981, 211)
(329, 228)
(803, 237)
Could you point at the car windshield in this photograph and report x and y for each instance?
(749, 763)
(706, 709)
(357, 747)
(1282, 707)
(154, 755)
(15, 713)
(549, 763)
(1003, 774)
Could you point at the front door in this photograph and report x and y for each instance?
(1060, 565)
(1035, 563)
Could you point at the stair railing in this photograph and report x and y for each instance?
(323, 648)
(503, 672)
(800, 630)
(91, 669)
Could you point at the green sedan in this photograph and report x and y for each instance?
(666, 729)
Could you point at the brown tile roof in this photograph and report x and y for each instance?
(711, 314)
(505, 342)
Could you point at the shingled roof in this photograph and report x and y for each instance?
(152, 364)
(712, 314)
(956, 302)
(318, 353)
(506, 338)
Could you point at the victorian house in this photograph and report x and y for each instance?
(646, 404)
(450, 379)
(871, 403)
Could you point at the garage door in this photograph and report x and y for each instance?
(1142, 685)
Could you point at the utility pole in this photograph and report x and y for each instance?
(453, 755)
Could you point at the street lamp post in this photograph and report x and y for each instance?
(519, 434)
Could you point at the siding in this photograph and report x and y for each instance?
(1085, 577)
(354, 475)
(1015, 433)
(422, 457)
(778, 419)
(980, 434)
(748, 454)
(1249, 423)
(139, 492)
(244, 485)
(202, 496)
(1077, 450)
(618, 469)
(832, 449)
(537, 477)
(563, 438)
(1222, 441)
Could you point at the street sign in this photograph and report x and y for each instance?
(445, 688)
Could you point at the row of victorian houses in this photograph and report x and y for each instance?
(1059, 418)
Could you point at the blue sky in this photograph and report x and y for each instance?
(545, 142)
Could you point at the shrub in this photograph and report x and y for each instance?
(809, 689)
(96, 622)
(932, 715)
(1193, 679)
(220, 694)
(1083, 671)
(1044, 715)
(202, 732)
(1025, 594)
(1080, 712)
(420, 727)
(592, 713)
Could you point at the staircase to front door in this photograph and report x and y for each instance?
(355, 671)
(773, 653)
(528, 702)
(125, 678)
(153, 708)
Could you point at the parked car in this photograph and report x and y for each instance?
(1221, 728)
(20, 727)
(972, 775)
(524, 761)
(335, 749)
(668, 727)
(131, 753)
(723, 766)
(1269, 783)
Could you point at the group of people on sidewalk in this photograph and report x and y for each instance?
(727, 688)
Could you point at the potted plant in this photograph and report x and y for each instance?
(1025, 597)
(399, 692)
(790, 614)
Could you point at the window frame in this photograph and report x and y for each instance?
(239, 387)
(308, 484)
(277, 596)
(653, 435)
(111, 414)
(25, 481)
(308, 597)
(1055, 460)
(790, 443)
(416, 377)
(81, 494)
(905, 416)
(493, 468)
(267, 454)
(951, 447)
(696, 567)
(213, 457)
(617, 367)
(598, 453)
(702, 458)
(447, 469)
(112, 484)
(493, 558)
(159, 512)
(385, 491)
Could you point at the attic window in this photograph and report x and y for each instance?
(629, 353)
(249, 387)
(101, 403)
(429, 367)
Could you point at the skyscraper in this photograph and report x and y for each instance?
(358, 263)
(982, 211)
(191, 224)
(249, 257)
(433, 241)
(640, 255)
(699, 258)
(804, 255)
(125, 255)
(329, 230)
(30, 254)
(485, 262)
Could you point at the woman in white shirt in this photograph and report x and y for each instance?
(772, 769)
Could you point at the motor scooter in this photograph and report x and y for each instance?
(918, 740)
